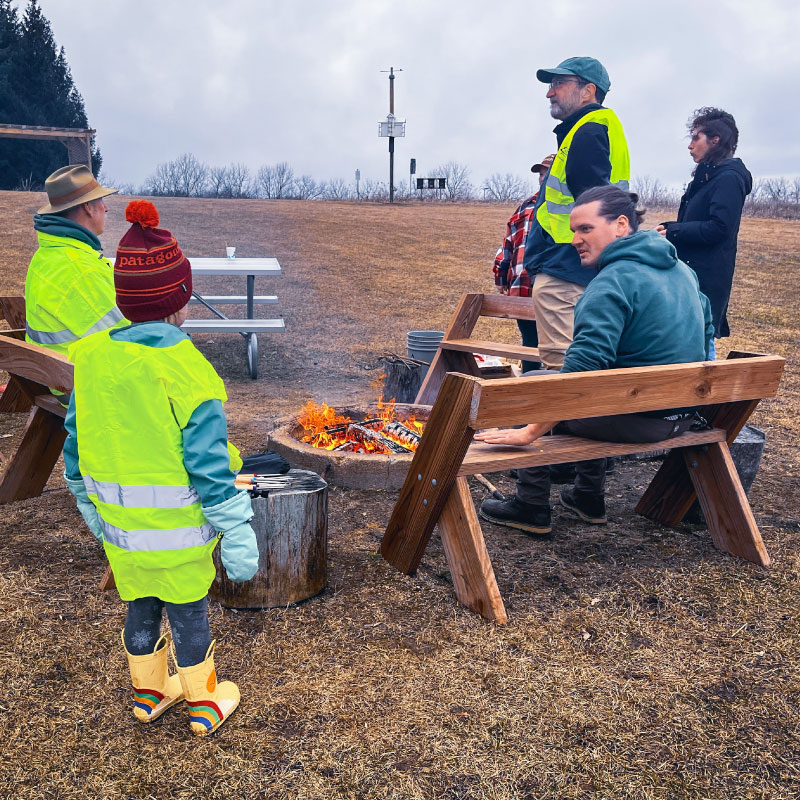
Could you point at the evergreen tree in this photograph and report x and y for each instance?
(40, 91)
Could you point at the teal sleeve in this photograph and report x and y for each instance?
(71, 468)
(600, 319)
(205, 453)
(709, 322)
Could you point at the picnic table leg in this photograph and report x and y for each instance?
(252, 338)
(29, 469)
(465, 548)
(724, 502)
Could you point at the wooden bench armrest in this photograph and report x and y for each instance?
(491, 348)
(560, 449)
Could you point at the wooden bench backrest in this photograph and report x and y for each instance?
(549, 398)
(36, 364)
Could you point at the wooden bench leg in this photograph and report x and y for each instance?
(724, 502)
(465, 548)
(671, 492)
(14, 399)
(107, 582)
(29, 469)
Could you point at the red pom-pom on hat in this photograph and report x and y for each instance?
(143, 212)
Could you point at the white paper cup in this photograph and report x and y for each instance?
(230, 252)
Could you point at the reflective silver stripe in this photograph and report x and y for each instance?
(554, 183)
(559, 208)
(147, 540)
(141, 496)
(51, 337)
(624, 185)
(106, 321)
(65, 336)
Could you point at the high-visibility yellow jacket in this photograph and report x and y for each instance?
(69, 293)
(136, 390)
(553, 212)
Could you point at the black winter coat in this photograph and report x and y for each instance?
(706, 230)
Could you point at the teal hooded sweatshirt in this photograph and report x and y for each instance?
(643, 308)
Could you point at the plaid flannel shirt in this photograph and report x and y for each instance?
(508, 269)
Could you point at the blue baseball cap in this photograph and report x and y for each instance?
(589, 69)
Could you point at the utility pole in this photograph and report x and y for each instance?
(391, 128)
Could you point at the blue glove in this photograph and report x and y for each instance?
(85, 506)
(238, 547)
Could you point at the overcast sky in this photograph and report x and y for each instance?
(262, 81)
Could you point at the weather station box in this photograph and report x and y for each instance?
(392, 127)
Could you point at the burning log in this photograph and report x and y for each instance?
(334, 429)
(367, 434)
(404, 434)
(347, 447)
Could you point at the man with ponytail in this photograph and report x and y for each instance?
(148, 460)
(627, 317)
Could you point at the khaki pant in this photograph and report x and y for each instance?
(554, 302)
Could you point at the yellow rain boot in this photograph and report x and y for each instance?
(154, 689)
(210, 703)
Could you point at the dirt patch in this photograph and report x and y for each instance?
(639, 662)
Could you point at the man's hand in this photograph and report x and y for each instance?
(518, 437)
(662, 229)
(501, 289)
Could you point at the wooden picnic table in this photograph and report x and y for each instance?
(249, 327)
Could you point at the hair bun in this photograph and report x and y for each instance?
(143, 212)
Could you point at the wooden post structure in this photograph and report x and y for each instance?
(78, 141)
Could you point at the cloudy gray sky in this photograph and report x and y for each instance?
(261, 81)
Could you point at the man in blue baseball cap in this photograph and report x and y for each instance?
(592, 151)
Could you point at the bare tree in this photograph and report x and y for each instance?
(274, 182)
(653, 193)
(306, 188)
(506, 188)
(458, 184)
(336, 189)
(183, 177)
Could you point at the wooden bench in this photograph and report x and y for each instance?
(32, 369)
(456, 349)
(698, 464)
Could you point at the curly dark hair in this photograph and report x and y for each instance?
(614, 203)
(716, 122)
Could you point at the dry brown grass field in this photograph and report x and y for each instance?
(639, 662)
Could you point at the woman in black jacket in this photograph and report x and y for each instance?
(708, 219)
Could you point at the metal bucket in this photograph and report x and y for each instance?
(423, 345)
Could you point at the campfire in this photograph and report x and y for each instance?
(388, 431)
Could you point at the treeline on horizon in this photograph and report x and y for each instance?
(36, 88)
(186, 176)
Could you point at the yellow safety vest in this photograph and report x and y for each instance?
(69, 293)
(553, 213)
(132, 402)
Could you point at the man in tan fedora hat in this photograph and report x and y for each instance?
(69, 288)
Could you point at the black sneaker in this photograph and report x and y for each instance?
(513, 513)
(589, 507)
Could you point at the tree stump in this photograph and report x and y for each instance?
(291, 527)
(403, 377)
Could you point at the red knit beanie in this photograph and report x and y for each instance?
(152, 277)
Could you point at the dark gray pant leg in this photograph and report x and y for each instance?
(190, 631)
(143, 625)
(590, 476)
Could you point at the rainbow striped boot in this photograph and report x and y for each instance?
(154, 689)
(210, 703)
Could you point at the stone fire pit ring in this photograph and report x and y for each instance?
(340, 468)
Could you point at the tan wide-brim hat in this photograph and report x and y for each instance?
(544, 164)
(70, 186)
